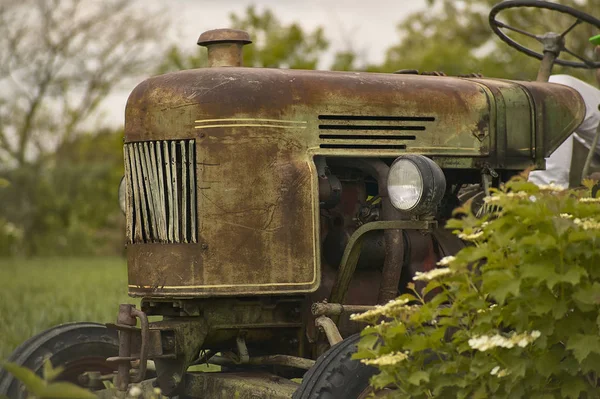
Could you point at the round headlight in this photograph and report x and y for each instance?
(122, 195)
(416, 184)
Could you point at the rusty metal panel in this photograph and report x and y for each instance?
(256, 132)
(559, 110)
(450, 115)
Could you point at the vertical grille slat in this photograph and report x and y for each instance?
(176, 236)
(167, 167)
(160, 194)
(142, 195)
(192, 177)
(161, 184)
(136, 227)
(128, 192)
(150, 194)
(184, 190)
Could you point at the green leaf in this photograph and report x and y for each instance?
(543, 242)
(591, 363)
(578, 235)
(582, 345)
(65, 390)
(572, 387)
(546, 272)
(34, 384)
(547, 363)
(383, 379)
(500, 284)
(559, 310)
(51, 373)
(418, 343)
(417, 377)
(589, 295)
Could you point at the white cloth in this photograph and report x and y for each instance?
(559, 162)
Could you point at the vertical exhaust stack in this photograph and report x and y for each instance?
(224, 46)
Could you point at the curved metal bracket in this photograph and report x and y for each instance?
(353, 249)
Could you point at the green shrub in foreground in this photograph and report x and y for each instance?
(514, 315)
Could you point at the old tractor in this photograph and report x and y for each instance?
(264, 206)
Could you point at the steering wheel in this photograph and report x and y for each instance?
(553, 42)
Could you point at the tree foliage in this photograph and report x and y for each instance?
(275, 45)
(56, 74)
(58, 61)
(515, 315)
(455, 37)
(68, 206)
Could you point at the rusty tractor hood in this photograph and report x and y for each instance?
(506, 123)
(222, 190)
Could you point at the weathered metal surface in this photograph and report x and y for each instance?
(239, 385)
(224, 46)
(336, 309)
(272, 324)
(559, 110)
(330, 329)
(124, 317)
(271, 360)
(393, 264)
(256, 132)
(350, 258)
(223, 35)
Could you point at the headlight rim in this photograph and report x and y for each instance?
(433, 184)
(122, 195)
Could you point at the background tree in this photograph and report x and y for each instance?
(455, 37)
(54, 76)
(274, 45)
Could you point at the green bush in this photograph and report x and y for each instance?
(514, 315)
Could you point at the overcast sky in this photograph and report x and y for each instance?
(368, 26)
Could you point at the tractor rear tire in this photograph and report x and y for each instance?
(77, 347)
(336, 375)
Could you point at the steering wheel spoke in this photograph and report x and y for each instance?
(571, 27)
(589, 63)
(521, 31)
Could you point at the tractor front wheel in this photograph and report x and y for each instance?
(76, 347)
(336, 375)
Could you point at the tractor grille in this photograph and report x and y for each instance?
(161, 187)
(370, 132)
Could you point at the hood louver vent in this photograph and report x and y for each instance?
(370, 132)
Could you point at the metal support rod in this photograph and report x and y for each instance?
(242, 349)
(336, 309)
(546, 66)
(590, 156)
(329, 328)
(275, 360)
(352, 251)
(145, 327)
(124, 317)
(392, 265)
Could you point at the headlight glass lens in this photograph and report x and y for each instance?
(405, 185)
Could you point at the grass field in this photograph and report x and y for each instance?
(41, 293)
